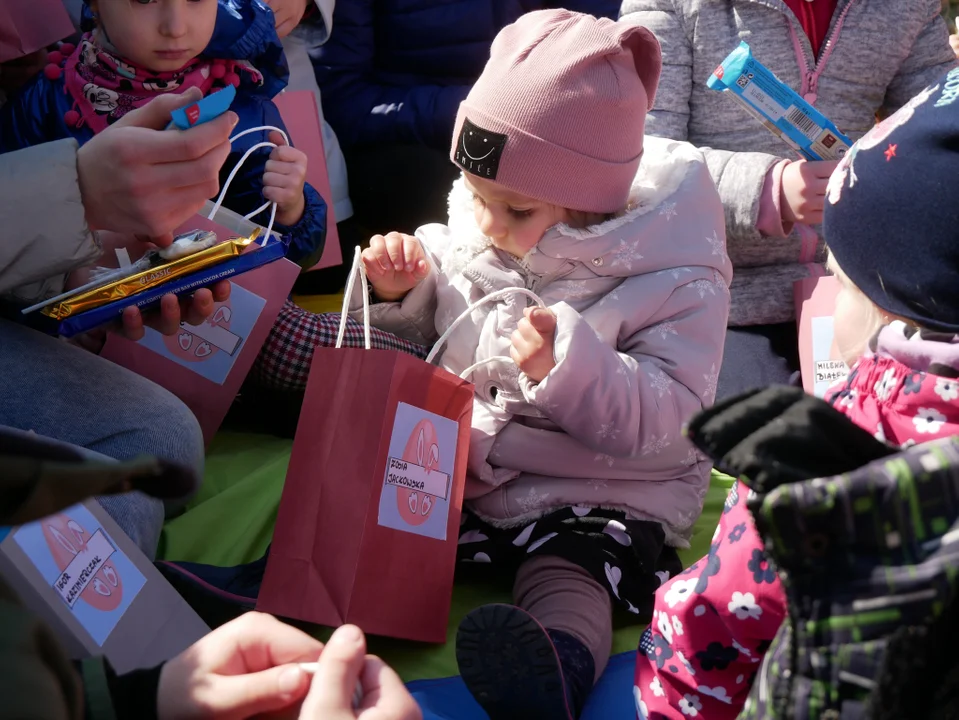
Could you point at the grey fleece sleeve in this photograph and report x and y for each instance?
(931, 57)
(45, 231)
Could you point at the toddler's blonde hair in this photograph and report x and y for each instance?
(875, 317)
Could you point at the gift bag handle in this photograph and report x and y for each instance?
(236, 169)
(359, 269)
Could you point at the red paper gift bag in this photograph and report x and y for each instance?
(369, 519)
(30, 25)
(205, 365)
(299, 113)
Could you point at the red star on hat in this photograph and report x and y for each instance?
(891, 152)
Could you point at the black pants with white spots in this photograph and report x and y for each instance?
(628, 558)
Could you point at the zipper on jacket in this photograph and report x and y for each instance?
(810, 81)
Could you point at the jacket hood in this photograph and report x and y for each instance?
(610, 248)
(245, 30)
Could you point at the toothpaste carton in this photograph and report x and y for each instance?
(778, 107)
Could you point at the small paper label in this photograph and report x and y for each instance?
(827, 367)
(83, 567)
(419, 471)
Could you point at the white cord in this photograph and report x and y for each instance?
(359, 269)
(466, 313)
(236, 169)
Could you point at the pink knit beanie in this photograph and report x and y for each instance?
(559, 111)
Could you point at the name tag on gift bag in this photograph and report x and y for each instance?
(102, 596)
(302, 120)
(369, 518)
(819, 359)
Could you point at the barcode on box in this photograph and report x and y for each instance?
(805, 124)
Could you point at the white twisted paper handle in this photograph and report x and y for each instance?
(359, 270)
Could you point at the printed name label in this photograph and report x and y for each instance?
(830, 370)
(405, 474)
(87, 563)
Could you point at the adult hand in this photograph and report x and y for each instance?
(242, 669)
(954, 43)
(136, 178)
(288, 14)
(395, 264)
(344, 662)
(532, 343)
(803, 191)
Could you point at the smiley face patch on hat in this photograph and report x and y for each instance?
(478, 151)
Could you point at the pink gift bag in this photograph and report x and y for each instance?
(30, 25)
(205, 365)
(298, 110)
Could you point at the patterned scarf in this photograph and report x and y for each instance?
(104, 88)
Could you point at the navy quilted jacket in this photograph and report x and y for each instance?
(395, 71)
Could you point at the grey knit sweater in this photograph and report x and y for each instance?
(879, 53)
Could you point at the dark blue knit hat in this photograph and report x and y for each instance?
(892, 212)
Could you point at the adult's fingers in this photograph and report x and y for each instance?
(222, 290)
(166, 319)
(198, 308)
(185, 145)
(188, 172)
(132, 322)
(254, 642)
(383, 689)
(337, 672)
(254, 694)
(156, 114)
(277, 139)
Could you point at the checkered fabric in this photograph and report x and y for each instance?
(284, 361)
(870, 564)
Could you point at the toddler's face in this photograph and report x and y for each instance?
(159, 35)
(514, 222)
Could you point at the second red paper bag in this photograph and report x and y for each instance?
(369, 518)
(205, 365)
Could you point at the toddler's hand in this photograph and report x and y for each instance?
(532, 343)
(283, 181)
(803, 191)
(395, 264)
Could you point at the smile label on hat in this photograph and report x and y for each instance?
(478, 151)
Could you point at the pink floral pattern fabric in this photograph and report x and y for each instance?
(713, 623)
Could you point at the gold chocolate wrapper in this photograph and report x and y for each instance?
(147, 279)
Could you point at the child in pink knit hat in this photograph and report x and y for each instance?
(599, 258)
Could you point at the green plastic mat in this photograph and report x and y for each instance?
(231, 521)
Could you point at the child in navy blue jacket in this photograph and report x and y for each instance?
(139, 50)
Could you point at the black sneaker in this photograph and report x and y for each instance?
(518, 670)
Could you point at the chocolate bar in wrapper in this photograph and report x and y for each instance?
(159, 273)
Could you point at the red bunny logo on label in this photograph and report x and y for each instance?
(84, 561)
(201, 342)
(423, 452)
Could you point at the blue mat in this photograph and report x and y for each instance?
(611, 699)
